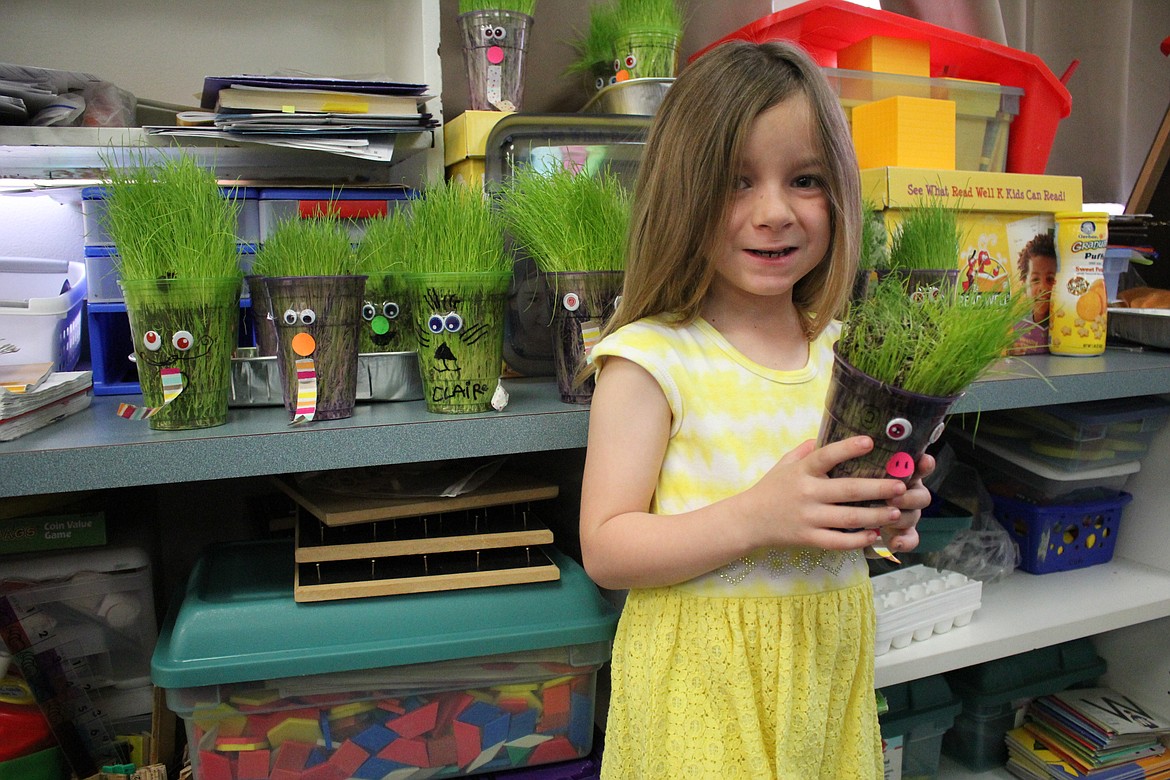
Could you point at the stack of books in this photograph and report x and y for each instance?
(1093, 733)
(357, 117)
(33, 397)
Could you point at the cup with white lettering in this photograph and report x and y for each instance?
(459, 323)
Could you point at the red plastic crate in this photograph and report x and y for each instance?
(824, 27)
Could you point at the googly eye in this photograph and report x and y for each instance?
(613, 80)
(308, 316)
(500, 33)
(435, 323)
(571, 301)
(487, 31)
(368, 311)
(183, 340)
(152, 341)
(898, 429)
(391, 310)
(290, 317)
(617, 64)
(617, 301)
(937, 432)
(631, 60)
(453, 323)
(599, 83)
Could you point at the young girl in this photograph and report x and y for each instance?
(745, 646)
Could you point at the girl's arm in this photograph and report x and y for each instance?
(795, 503)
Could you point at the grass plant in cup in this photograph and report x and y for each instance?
(901, 362)
(495, 40)
(457, 285)
(382, 255)
(573, 225)
(875, 251)
(175, 231)
(594, 48)
(308, 270)
(925, 246)
(647, 42)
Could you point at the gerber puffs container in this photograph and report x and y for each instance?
(451, 683)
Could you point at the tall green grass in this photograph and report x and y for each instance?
(875, 251)
(170, 219)
(520, 6)
(319, 246)
(934, 346)
(664, 15)
(595, 44)
(927, 238)
(457, 230)
(567, 221)
(388, 244)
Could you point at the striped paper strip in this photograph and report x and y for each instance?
(172, 385)
(306, 391)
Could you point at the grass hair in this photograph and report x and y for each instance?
(595, 45)
(875, 252)
(566, 220)
(457, 231)
(932, 345)
(170, 219)
(927, 238)
(661, 15)
(319, 246)
(387, 244)
(527, 7)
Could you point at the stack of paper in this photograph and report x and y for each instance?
(1092, 732)
(356, 117)
(61, 394)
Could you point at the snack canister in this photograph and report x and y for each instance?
(1077, 324)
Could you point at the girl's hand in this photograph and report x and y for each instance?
(798, 504)
(902, 534)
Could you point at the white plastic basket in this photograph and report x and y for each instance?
(40, 311)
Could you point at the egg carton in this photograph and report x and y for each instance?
(917, 602)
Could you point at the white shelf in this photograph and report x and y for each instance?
(1027, 611)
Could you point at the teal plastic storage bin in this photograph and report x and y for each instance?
(920, 712)
(992, 693)
(458, 682)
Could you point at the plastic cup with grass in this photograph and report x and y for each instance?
(582, 302)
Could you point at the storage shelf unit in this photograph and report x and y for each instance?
(95, 449)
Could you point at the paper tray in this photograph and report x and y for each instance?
(382, 376)
(1150, 327)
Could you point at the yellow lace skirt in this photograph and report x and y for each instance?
(750, 688)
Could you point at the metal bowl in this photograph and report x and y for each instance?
(633, 96)
(382, 376)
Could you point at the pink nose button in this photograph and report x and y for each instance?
(495, 55)
(900, 465)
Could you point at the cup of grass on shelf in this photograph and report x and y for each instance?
(594, 48)
(179, 269)
(382, 255)
(900, 364)
(647, 42)
(307, 268)
(573, 225)
(875, 252)
(924, 247)
(495, 39)
(457, 285)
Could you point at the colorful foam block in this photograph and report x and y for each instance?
(883, 54)
(349, 757)
(374, 738)
(492, 722)
(411, 751)
(228, 744)
(292, 756)
(253, 765)
(905, 132)
(581, 722)
(325, 771)
(415, 722)
(555, 716)
(376, 768)
(295, 729)
(522, 723)
(441, 750)
(214, 766)
(556, 749)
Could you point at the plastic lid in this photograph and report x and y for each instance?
(237, 621)
(1040, 469)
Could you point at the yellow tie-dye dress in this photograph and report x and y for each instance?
(764, 667)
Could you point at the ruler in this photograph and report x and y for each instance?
(60, 682)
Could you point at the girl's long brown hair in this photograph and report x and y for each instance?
(688, 174)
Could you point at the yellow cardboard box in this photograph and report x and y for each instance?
(999, 213)
(905, 131)
(466, 135)
(883, 54)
